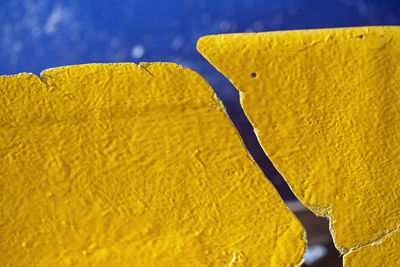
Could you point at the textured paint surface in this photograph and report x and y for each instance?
(326, 108)
(126, 165)
(384, 252)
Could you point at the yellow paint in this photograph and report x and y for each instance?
(125, 165)
(326, 108)
(385, 252)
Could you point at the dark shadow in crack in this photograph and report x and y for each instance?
(250, 140)
(317, 228)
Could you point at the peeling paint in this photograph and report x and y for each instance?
(326, 108)
(119, 164)
(383, 252)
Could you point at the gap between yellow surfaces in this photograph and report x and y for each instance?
(326, 107)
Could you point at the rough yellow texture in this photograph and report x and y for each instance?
(326, 107)
(384, 252)
(126, 165)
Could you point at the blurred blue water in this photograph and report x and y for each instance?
(40, 34)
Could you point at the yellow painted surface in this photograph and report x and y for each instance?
(384, 252)
(121, 165)
(326, 108)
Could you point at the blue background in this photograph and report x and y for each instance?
(40, 34)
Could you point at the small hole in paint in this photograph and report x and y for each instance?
(254, 75)
(361, 36)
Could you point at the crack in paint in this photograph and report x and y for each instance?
(377, 241)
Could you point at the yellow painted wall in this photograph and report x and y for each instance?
(383, 252)
(121, 165)
(326, 108)
(126, 165)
